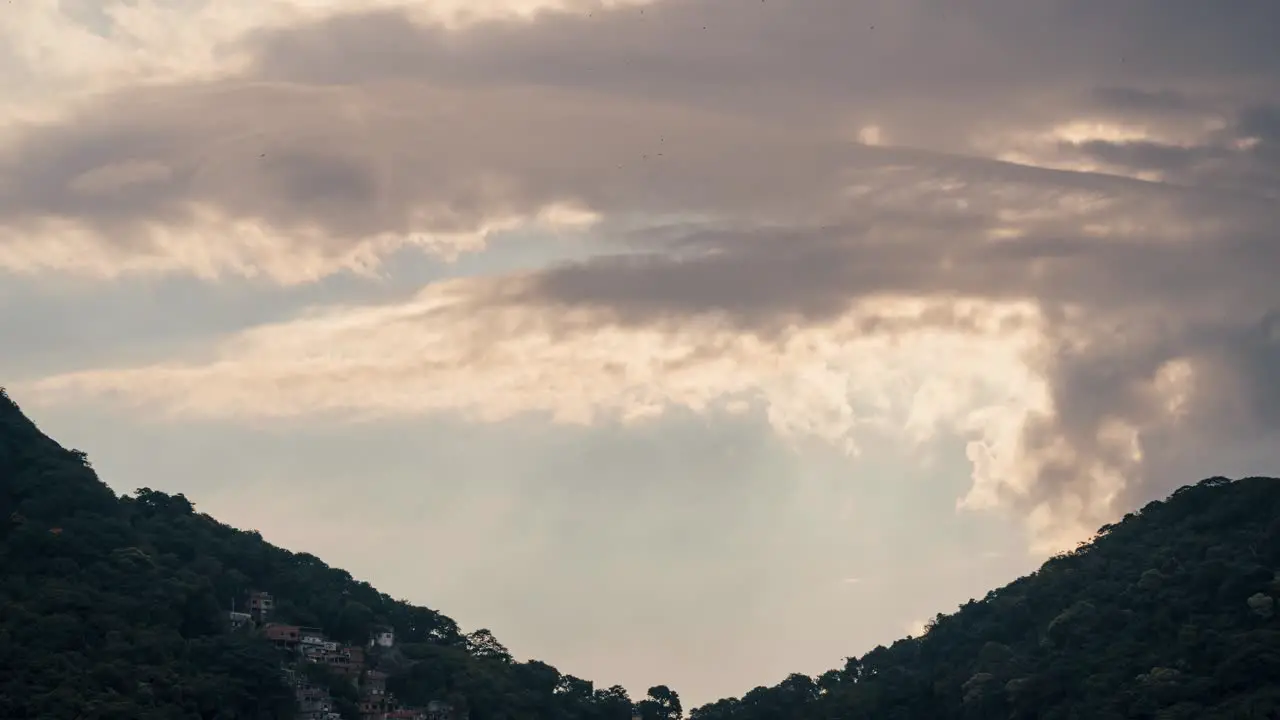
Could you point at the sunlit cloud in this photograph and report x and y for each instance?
(854, 219)
(247, 248)
(872, 372)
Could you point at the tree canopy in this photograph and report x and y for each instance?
(1168, 614)
(117, 608)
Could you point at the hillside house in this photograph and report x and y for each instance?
(374, 684)
(261, 605)
(440, 710)
(383, 637)
(238, 619)
(287, 636)
(356, 653)
(313, 654)
(311, 636)
(314, 703)
(374, 708)
(340, 660)
(342, 663)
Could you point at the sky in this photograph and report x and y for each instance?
(692, 342)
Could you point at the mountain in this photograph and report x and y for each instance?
(1169, 614)
(120, 608)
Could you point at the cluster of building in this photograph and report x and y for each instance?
(310, 645)
(314, 702)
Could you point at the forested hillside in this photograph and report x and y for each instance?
(117, 608)
(1168, 614)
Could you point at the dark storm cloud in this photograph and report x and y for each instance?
(507, 115)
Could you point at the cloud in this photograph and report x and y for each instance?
(454, 348)
(856, 217)
(322, 131)
(1054, 410)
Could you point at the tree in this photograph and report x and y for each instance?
(482, 644)
(355, 623)
(662, 703)
(613, 703)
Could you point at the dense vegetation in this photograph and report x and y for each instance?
(115, 607)
(1169, 614)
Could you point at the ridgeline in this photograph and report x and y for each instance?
(141, 608)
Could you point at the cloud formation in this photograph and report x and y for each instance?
(1048, 227)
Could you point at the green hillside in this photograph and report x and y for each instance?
(117, 607)
(1167, 614)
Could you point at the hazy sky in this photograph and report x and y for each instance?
(685, 341)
